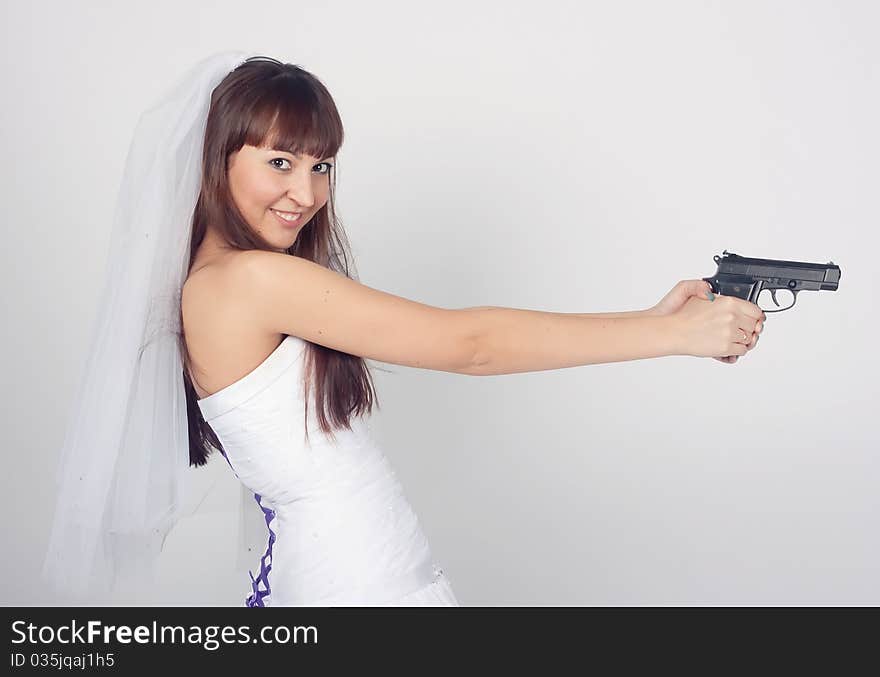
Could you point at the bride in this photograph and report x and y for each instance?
(246, 333)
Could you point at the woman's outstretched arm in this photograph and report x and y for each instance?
(291, 295)
(629, 313)
(511, 340)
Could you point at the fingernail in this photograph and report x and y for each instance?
(710, 296)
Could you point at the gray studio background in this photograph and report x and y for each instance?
(559, 156)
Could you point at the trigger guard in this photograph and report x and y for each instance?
(794, 293)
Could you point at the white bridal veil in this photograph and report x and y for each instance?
(122, 476)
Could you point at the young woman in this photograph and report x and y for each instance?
(274, 333)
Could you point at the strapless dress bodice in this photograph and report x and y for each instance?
(340, 529)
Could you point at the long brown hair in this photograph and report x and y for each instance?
(266, 102)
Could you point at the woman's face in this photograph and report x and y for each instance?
(263, 180)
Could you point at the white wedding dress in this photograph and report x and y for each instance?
(340, 530)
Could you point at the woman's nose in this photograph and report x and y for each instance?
(301, 191)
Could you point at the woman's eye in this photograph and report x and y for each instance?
(279, 159)
(328, 165)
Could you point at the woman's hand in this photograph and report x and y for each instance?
(679, 295)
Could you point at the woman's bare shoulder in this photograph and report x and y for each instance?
(222, 339)
(208, 275)
(209, 278)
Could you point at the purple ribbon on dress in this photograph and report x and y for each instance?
(256, 598)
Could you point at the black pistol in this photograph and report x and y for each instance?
(746, 278)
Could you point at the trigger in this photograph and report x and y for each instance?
(773, 294)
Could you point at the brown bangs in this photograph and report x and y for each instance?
(289, 116)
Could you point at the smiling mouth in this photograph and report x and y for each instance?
(288, 217)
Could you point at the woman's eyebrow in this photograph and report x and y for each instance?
(296, 155)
